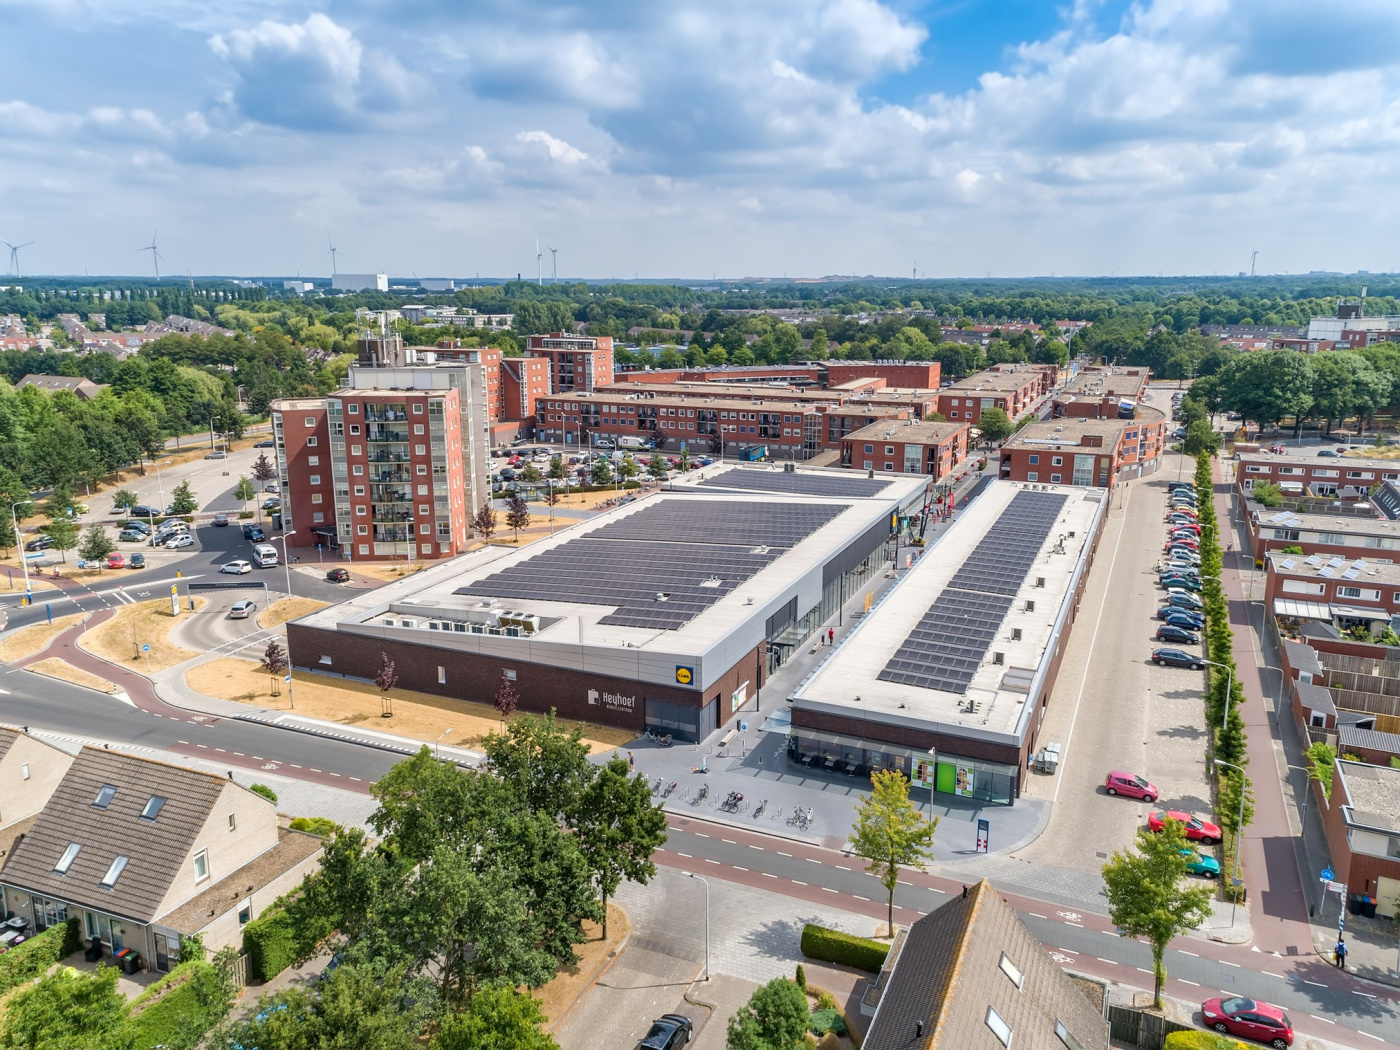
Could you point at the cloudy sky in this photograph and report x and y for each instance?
(691, 137)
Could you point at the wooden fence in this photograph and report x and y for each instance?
(1141, 1028)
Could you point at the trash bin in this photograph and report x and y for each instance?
(1368, 909)
(1355, 904)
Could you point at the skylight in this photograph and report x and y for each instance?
(104, 796)
(154, 805)
(66, 861)
(1011, 970)
(114, 872)
(999, 1027)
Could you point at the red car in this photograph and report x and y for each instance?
(1203, 831)
(116, 560)
(1131, 785)
(1250, 1018)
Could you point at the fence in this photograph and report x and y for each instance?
(1142, 1029)
(238, 971)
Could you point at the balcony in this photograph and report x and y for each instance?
(390, 534)
(386, 456)
(386, 414)
(385, 494)
(390, 477)
(386, 434)
(386, 512)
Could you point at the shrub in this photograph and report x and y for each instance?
(181, 1007)
(825, 1000)
(1202, 1041)
(818, 942)
(828, 1020)
(265, 791)
(270, 942)
(829, 1041)
(322, 826)
(37, 954)
(801, 977)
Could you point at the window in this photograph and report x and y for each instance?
(1332, 539)
(420, 450)
(313, 461)
(315, 479)
(318, 517)
(1057, 461)
(315, 497)
(66, 861)
(422, 468)
(999, 1028)
(418, 407)
(508, 674)
(359, 491)
(104, 796)
(24, 771)
(114, 872)
(418, 429)
(1067, 1037)
(354, 429)
(244, 914)
(233, 822)
(364, 548)
(154, 805)
(310, 421)
(1033, 476)
(353, 409)
(201, 865)
(1012, 970)
(357, 450)
(1032, 458)
(889, 450)
(311, 441)
(442, 675)
(362, 530)
(1054, 479)
(358, 469)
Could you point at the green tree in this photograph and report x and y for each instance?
(1322, 756)
(890, 833)
(1200, 438)
(776, 1017)
(1266, 494)
(1147, 896)
(628, 468)
(182, 500)
(618, 828)
(556, 467)
(497, 1017)
(422, 803)
(531, 474)
(995, 425)
(543, 763)
(1227, 803)
(60, 503)
(68, 1010)
(602, 473)
(96, 545)
(517, 514)
(245, 490)
(656, 466)
(64, 535)
(122, 499)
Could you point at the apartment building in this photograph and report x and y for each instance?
(1102, 393)
(909, 374)
(1350, 592)
(1091, 452)
(1354, 532)
(1012, 389)
(907, 446)
(1344, 478)
(577, 363)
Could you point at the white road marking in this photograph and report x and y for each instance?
(730, 841)
(782, 854)
(1315, 984)
(1266, 973)
(1368, 1035)
(759, 848)
(1192, 954)
(797, 882)
(737, 868)
(1224, 963)
(709, 861)
(768, 875)
(1193, 984)
(843, 867)
(1141, 970)
(700, 834)
(828, 889)
(1111, 962)
(1327, 1019)
(1035, 915)
(811, 860)
(1368, 995)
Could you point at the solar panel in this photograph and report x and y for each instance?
(797, 483)
(662, 565)
(946, 646)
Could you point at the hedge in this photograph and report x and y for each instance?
(1202, 1041)
(270, 942)
(824, 1021)
(818, 942)
(180, 1008)
(37, 954)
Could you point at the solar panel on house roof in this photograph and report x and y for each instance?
(662, 565)
(798, 483)
(945, 648)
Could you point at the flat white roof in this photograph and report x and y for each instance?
(848, 682)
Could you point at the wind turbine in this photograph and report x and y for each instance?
(333, 250)
(553, 265)
(155, 254)
(539, 263)
(1252, 256)
(14, 254)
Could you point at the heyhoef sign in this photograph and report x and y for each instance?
(612, 701)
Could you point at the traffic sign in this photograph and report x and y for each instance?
(1328, 874)
(145, 648)
(287, 678)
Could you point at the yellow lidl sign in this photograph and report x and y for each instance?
(685, 675)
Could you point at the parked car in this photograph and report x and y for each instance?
(180, 539)
(39, 543)
(265, 444)
(116, 560)
(1184, 599)
(1130, 785)
(253, 532)
(216, 454)
(1187, 621)
(236, 568)
(221, 519)
(1180, 580)
(1180, 565)
(667, 1032)
(1197, 830)
(243, 609)
(1170, 633)
(1176, 658)
(1329, 453)
(1180, 552)
(136, 561)
(136, 523)
(337, 575)
(143, 511)
(271, 486)
(271, 503)
(1202, 864)
(1181, 486)
(1251, 1018)
(1183, 524)
(131, 536)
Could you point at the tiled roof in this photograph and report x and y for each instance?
(156, 848)
(949, 973)
(7, 740)
(292, 848)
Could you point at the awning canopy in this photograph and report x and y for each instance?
(1360, 612)
(1290, 486)
(1297, 610)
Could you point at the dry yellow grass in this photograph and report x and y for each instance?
(288, 609)
(1372, 452)
(420, 716)
(53, 667)
(145, 623)
(24, 643)
(386, 570)
(10, 567)
(593, 954)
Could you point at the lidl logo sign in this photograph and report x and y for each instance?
(685, 675)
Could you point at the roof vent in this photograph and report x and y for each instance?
(662, 596)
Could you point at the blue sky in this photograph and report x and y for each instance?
(738, 137)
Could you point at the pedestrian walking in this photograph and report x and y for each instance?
(831, 636)
(1340, 954)
(631, 761)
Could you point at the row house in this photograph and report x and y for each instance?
(1348, 592)
(909, 447)
(1351, 535)
(1344, 478)
(1014, 390)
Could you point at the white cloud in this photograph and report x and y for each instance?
(558, 149)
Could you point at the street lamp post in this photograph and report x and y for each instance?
(1229, 681)
(19, 546)
(1239, 833)
(706, 884)
(437, 744)
(287, 558)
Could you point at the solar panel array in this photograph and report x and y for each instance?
(946, 647)
(796, 483)
(663, 565)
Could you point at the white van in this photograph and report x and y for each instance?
(264, 555)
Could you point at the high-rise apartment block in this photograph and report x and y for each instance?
(394, 464)
(578, 364)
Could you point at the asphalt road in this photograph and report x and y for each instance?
(211, 627)
(1321, 1000)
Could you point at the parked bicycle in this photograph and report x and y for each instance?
(700, 795)
(669, 788)
(758, 810)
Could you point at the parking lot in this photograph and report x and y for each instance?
(1121, 712)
